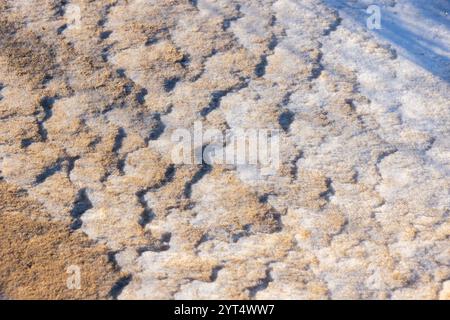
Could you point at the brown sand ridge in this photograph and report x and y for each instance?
(35, 254)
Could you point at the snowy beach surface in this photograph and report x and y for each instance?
(91, 93)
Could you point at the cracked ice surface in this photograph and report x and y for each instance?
(359, 208)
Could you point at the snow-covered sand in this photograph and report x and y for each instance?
(92, 92)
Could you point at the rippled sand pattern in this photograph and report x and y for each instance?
(91, 92)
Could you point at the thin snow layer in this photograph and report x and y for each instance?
(359, 206)
(418, 29)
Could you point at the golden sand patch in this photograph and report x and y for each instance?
(35, 254)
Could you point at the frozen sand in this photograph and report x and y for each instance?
(359, 208)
